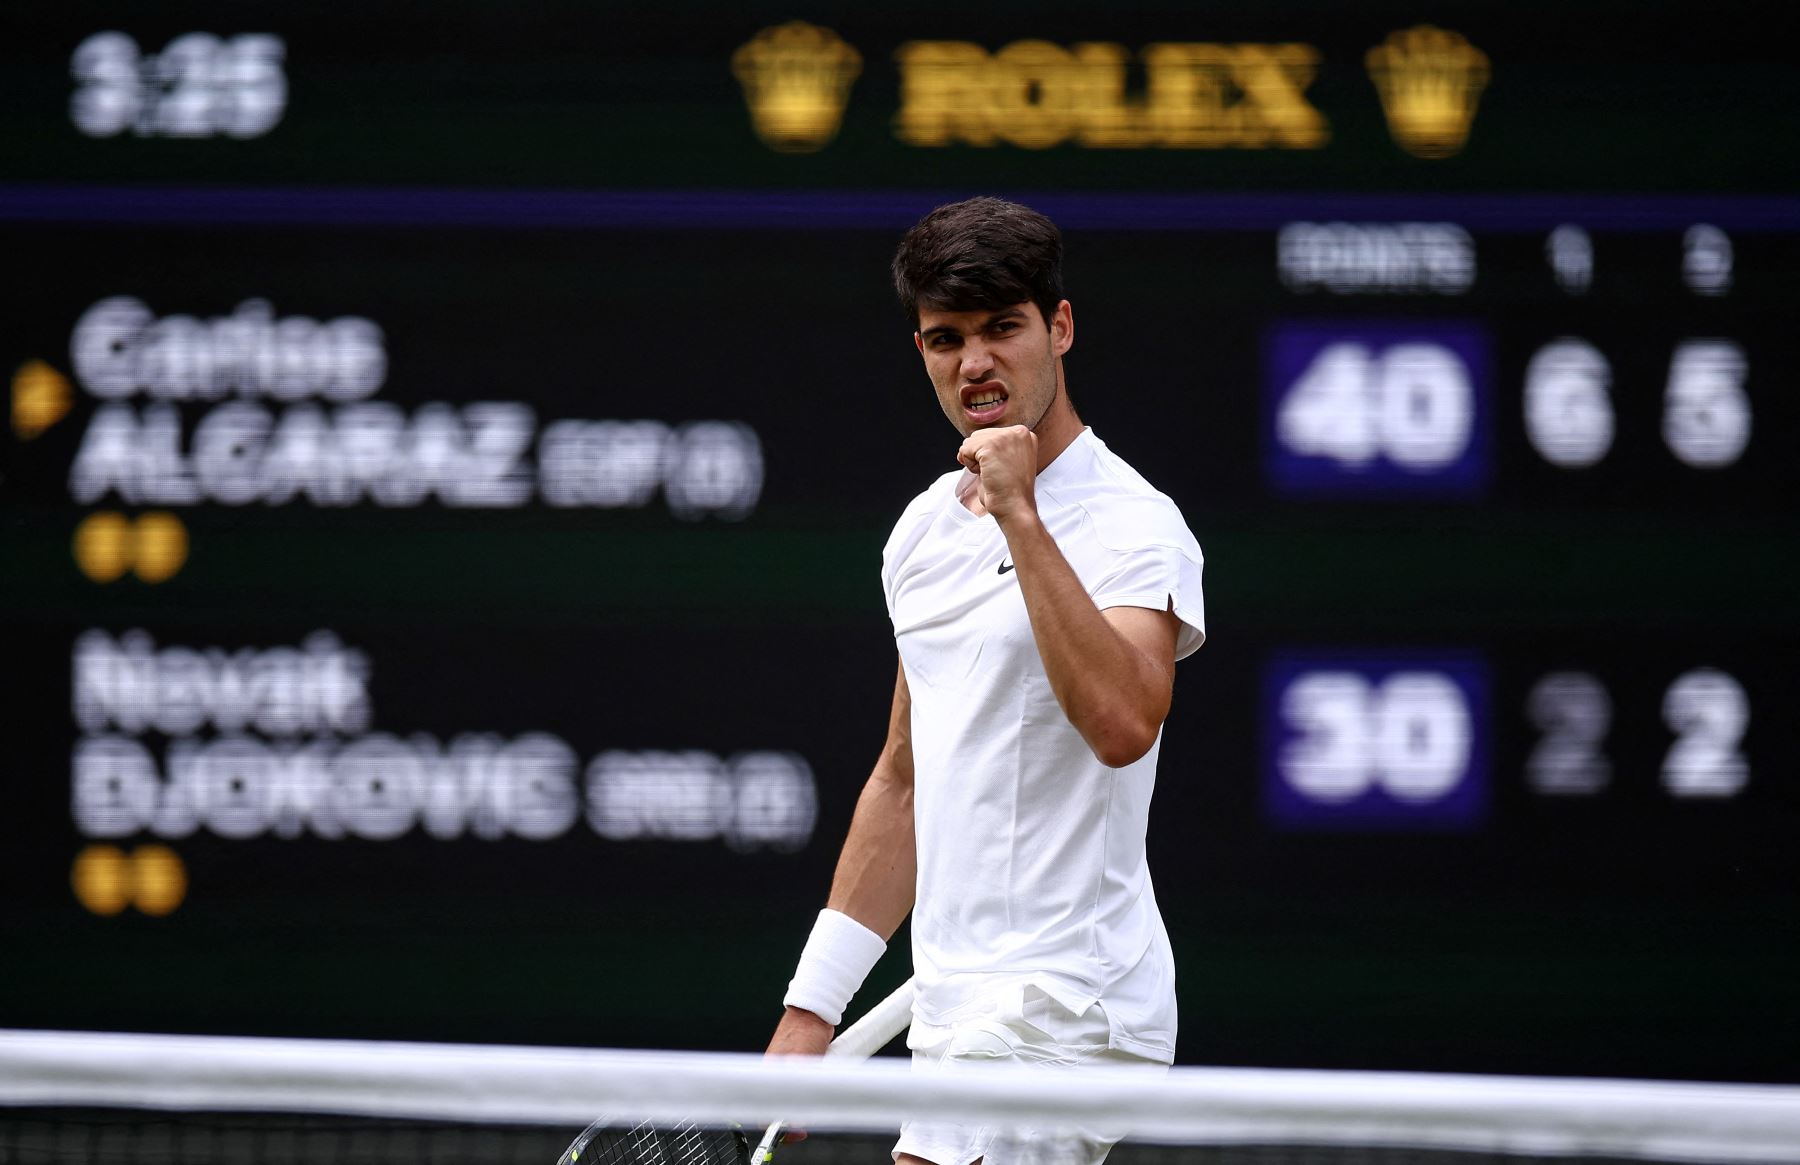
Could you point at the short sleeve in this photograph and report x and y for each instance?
(914, 523)
(1161, 578)
(887, 580)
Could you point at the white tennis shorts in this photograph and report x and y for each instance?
(1027, 1027)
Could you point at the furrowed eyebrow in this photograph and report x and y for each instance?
(1011, 313)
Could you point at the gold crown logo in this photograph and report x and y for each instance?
(796, 79)
(1429, 80)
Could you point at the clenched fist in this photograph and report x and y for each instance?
(1004, 462)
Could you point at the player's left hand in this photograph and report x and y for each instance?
(1004, 462)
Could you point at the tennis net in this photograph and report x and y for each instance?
(101, 1097)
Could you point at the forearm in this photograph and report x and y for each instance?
(878, 868)
(1115, 694)
(873, 885)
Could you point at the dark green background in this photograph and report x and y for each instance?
(1629, 934)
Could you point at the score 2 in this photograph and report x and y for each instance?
(1395, 408)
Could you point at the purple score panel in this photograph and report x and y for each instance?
(1378, 408)
(1379, 741)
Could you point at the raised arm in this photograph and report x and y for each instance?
(878, 868)
(1113, 671)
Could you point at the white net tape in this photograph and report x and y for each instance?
(1663, 1121)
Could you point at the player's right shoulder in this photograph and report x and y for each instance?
(916, 518)
(928, 501)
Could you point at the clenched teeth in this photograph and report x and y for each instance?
(982, 399)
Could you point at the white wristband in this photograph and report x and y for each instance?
(839, 955)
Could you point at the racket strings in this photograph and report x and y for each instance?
(646, 1143)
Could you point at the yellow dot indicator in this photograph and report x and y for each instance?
(40, 398)
(102, 879)
(162, 546)
(105, 544)
(161, 879)
(152, 878)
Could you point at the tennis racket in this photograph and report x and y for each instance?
(611, 1142)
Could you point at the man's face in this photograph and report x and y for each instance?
(994, 366)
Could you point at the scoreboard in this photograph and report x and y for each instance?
(447, 462)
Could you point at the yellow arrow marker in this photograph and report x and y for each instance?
(40, 398)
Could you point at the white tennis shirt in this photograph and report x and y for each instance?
(1031, 852)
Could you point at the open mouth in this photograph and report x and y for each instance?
(984, 403)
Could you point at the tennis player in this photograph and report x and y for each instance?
(1040, 593)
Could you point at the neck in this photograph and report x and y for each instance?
(1059, 427)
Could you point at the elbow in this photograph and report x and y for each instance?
(1117, 757)
(1124, 741)
(1121, 723)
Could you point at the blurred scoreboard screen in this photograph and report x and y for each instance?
(446, 468)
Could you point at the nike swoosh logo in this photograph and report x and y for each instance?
(1005, 567)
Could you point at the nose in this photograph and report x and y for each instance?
(977, 361)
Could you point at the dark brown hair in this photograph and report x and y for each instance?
(982, 253)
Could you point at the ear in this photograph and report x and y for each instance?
(1062, 328)
(919, 342)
